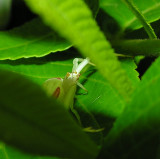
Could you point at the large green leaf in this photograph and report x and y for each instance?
(35, 123)
(39, 70)
(101, 97)
(83, 32)
(32, 39)
(125, 18)
(136, 132)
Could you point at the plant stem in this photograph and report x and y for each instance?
(147, 47)
(141, 18)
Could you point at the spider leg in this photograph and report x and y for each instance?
(75, 64)
(78, 67)
(81, 86)
(91, 63)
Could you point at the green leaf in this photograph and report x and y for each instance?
(8, 152)
(138, 47)
(125, 18)
(100, 92)
(83, 32)
(111, 103)
(38, 69)
(32, 39)
(136, 132)
(102, 98)
(33, 122)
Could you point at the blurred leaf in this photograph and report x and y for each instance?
(33, 122)
(32, 39)
(125, 18)
(5, 9)
(84, 33)
(40, 70)
(136, 132)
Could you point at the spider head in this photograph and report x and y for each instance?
(74, 76)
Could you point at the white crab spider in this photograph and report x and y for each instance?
(64, 89)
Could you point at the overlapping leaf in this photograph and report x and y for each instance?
(5, 11)
(33, 122)
(33, 39)
(125, 18)
(83, 32)
(136, 132)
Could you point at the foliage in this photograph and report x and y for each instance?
(120, 110)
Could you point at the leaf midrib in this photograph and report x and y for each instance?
(28, 42)
(144, 12)
(2, 147)
(155, 6)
